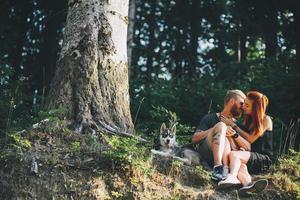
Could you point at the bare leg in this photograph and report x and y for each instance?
(226, 152)
(216, 140)
(243, 175)
(237, 158)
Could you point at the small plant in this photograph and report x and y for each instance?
(75, 147)
(176, 168)
(19, 143)
(54, 158)
(124, 149)
(91, 143)
(204, 174)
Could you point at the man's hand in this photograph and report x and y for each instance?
(230, 131)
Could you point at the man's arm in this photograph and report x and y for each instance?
(199, 135)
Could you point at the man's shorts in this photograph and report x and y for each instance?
(258, 163)
(205, 151)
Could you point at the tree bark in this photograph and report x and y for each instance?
(54, 21)
(130, 32)
(195, 18)
(91, 80)
(297, 24)
(242, 44)
(271, 32)
(150, 54)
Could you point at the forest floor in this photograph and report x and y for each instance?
(53, 162)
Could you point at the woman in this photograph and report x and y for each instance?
(258, 133)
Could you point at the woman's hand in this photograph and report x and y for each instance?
(229, 131)
(227, 121)
(233, 145)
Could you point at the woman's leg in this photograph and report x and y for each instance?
(237, 158)
(243, 175)
(227, 150)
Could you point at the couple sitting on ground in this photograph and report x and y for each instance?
(235, 150)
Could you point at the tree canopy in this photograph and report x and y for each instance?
(185, 55)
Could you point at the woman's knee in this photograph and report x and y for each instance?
(233, 155)
(242, 155)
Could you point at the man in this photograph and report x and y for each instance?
(213, 138)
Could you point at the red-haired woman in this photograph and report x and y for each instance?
(258, 132)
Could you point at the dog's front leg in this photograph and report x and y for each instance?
(185, 160)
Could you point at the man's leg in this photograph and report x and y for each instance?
(225, 158)
(216, 139)
(227, 150)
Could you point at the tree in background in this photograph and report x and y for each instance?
(91, 79)
(195, 50)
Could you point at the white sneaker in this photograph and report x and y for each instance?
(229, 181)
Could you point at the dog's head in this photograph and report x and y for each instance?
(167, 136)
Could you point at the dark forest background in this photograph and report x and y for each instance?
(185, 55)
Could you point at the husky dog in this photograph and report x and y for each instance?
(170, 148)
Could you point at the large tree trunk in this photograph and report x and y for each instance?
(242, 45)
(150, 53)
(91, 80)
(270, 30)
(130, 32)
(297, 27)
(195, 18)
(49, 45)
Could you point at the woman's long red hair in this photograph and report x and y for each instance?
(255, 119)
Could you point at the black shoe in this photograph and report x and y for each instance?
(254, 187)
(217, 173)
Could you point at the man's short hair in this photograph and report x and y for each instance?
(233, 94)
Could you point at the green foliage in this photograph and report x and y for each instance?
(124, 150)
(203, 173)
(19, 143)
(75, 147)
(91, 143)
(285, 174)
(53, 115)
(176, 168)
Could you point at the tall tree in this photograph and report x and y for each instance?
(54, 21)
(270, 29)
(130, 32)
(195, 19)
(242, 16)
(152, 27)
(91, 80)
(297, 27)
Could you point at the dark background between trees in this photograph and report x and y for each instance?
(185, 55)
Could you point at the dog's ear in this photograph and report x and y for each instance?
(163, 128)
(173, 129)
